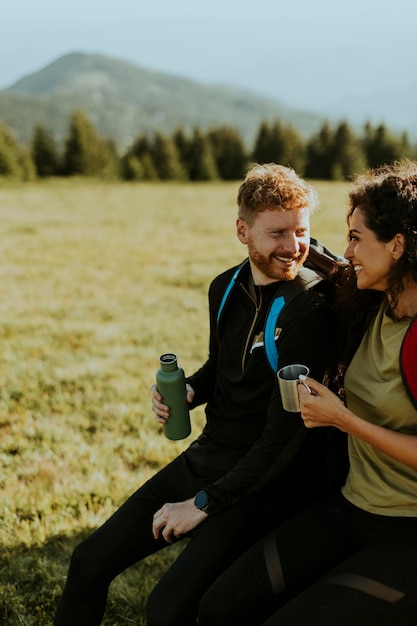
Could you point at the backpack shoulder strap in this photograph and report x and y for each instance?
(306, 278)
(408, 361)
(229, 288)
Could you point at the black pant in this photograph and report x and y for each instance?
(333, 565)
(127, 538)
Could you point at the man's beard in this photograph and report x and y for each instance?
(272, 267)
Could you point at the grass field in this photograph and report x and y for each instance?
(97, 280)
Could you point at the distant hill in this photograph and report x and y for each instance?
(124, 100)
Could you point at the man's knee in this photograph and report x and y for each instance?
(158, 613)
(166, 609)
(85, 567)
(210, 615)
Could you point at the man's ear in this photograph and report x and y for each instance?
(398, 246)
(241, 230)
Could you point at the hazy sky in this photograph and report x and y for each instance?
(305, 53)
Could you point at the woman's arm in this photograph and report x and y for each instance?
(324, 408)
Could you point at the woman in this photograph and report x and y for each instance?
(353, 560)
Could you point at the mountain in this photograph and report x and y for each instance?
(124, 100)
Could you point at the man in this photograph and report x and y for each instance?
(254, 463)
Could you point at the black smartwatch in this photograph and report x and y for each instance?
(201, 501)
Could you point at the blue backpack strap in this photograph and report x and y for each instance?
(305, 279)
(229, 289)
(269, 334)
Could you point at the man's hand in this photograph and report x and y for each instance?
(175, 519)
(160, 409)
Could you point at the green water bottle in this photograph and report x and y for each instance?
(170, 381)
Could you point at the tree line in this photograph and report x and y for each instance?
(332, 153)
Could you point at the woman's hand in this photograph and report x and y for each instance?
(321, 407)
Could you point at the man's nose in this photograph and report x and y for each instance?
(292, 245)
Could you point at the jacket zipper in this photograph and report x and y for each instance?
(255, 317)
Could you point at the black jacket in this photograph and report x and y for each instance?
(248, 434)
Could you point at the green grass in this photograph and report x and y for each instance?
(96, 281)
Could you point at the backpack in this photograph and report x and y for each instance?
(408, 356)
(317, 266)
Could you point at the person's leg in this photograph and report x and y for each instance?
(174, 600)
(214, 545)
(123, 540)
(277, 567)
(376, 587)
(240, 594)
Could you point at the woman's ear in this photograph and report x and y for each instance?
(398, 246)
(241, 230)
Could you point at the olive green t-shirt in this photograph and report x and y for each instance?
(375, 392)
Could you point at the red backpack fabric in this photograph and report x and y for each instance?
(408, 361)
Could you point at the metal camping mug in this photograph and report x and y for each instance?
(289, 377)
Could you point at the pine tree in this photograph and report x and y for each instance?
(15, 161)
(113, 163)
(264, 150)
(166, 158)
(229, 152)
(348, 156)
(9, 155)
(319, 154)
(276, 143)
(149, 170)
(86, 153)
(44, 153)
(137, 163)
(293, 149)
(381, 146)
(27, 165)
(202, 161)
(183, 145)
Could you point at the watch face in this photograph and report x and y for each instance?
(201, 500)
